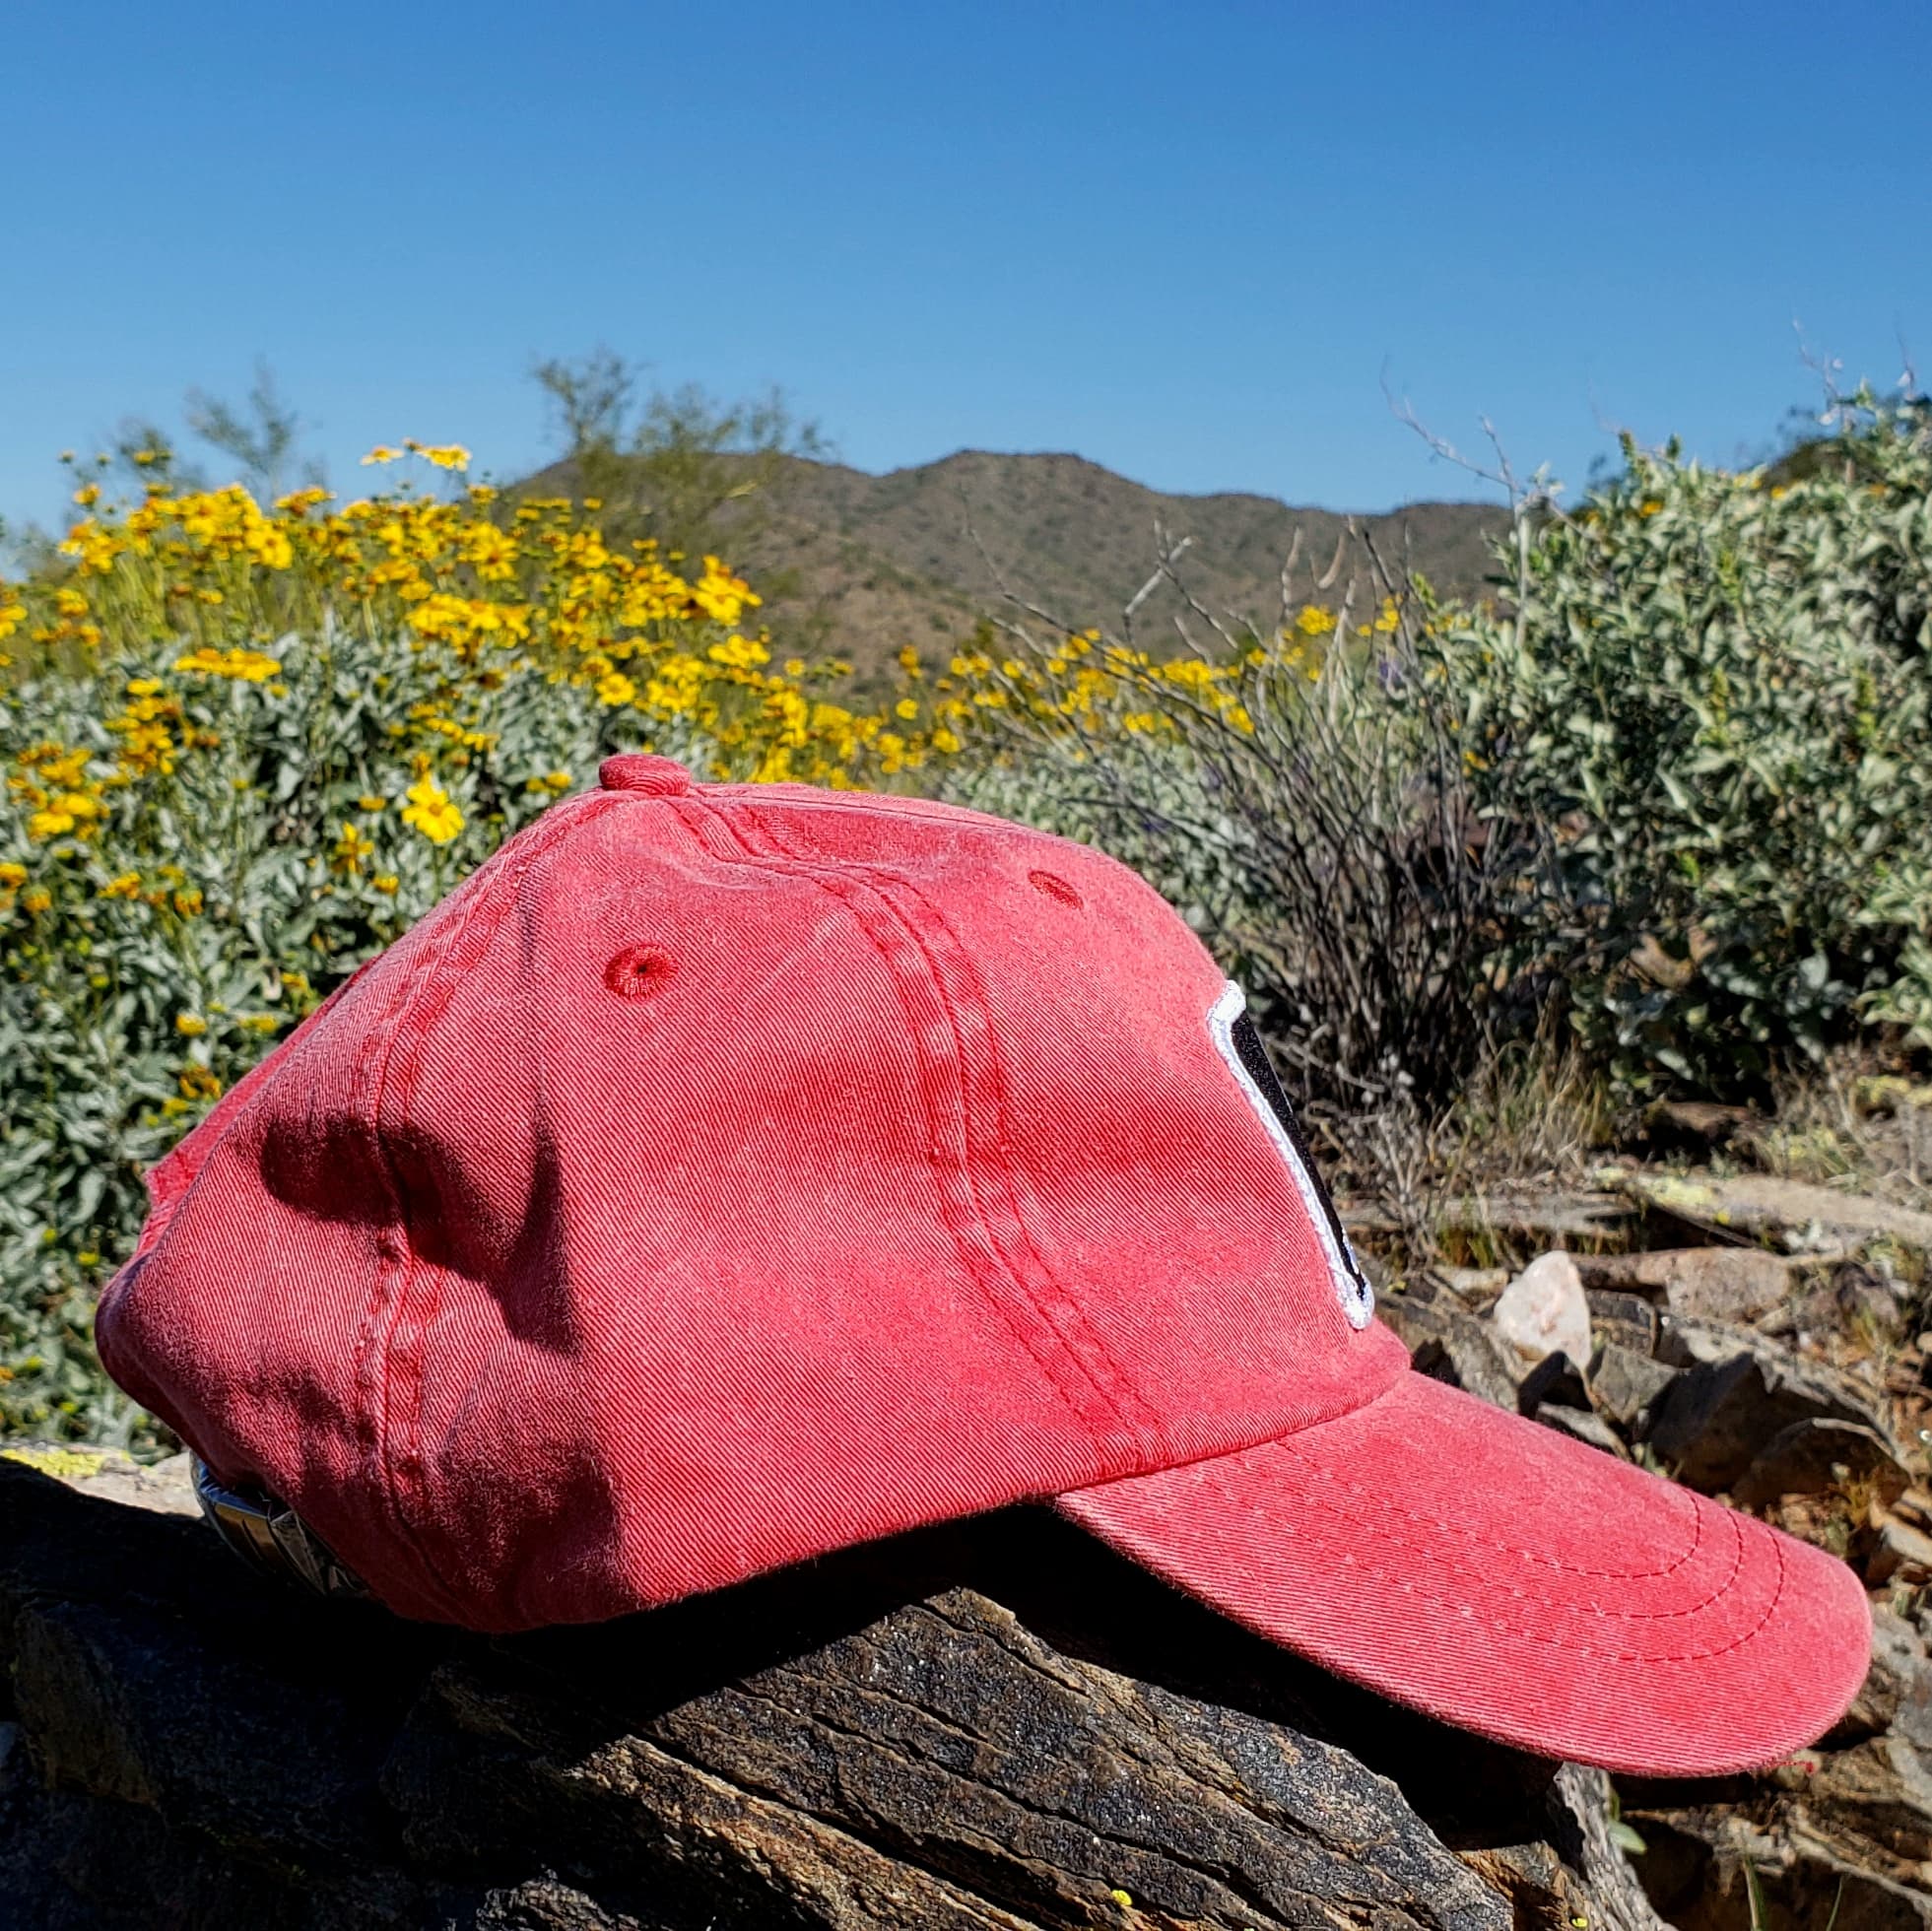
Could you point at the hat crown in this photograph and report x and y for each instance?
(722, 1175)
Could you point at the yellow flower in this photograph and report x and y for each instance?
(191, 1026)
(351, 851)
(36, 901)
(386, 881)
(88, 494)
(382, 453)
(262, 1023)
(198, 1083)
(188, 903)
(432, 812)
(11, 875)
(369, 801)
(614, 687)
(446, 455)
(906, 707)
(1314, 622)
(249, 666)
(127, 886)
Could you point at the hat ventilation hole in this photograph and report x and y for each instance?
(1055, 887)
(639, 971)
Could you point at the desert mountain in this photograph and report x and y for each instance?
(862, 564)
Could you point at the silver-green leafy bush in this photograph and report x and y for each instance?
(295, 836)
(1714, 700)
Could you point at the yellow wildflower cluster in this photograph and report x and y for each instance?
(58, 790)
(479, 581)
(1089, 687)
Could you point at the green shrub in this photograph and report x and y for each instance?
(1716, 697)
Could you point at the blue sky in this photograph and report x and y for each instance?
(1181, 239)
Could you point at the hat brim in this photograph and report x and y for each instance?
(1512, 1581)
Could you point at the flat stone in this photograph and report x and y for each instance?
(1704, 1284)
(1583, 1426)
(1902, 1553)
(1623, 1383)
(1734, 1392)
(1629, 1319)
(167, 1486)
(1548, 1216)
(1817, 1454)
(1452, 1346)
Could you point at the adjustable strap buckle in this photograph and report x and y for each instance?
(273, 1539)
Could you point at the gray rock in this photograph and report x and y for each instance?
(1902, 1552)
(1581, 1423)
(1453, 1345)
(1623, 1383)
(1629, 1319)
(1798, 1217)
(1734, 1393)
(1817, 1454)
(996, 1726)
(1704, 1284)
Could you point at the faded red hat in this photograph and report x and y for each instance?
(726, 1174)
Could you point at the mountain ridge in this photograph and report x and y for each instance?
(865, 564)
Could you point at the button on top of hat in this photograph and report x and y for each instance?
(656, 777)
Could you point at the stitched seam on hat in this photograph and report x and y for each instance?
(1385, 1505)
(418, 989)
(1075, 1318)
(792, 866)
(1563, 1639)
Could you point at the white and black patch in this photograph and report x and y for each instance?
(1239, 1044)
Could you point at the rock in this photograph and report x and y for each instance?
(1557, 1379)
(1543, 1311)
(1623, 1383)
(1734, 1393)
(1904, 1554)
(993, 1726)
(1838, 1834)
(1584, 1426)
(1627, 1319)
(1704, 1284)
(1795, 1215)
(1897, 1692)
(167, 1486)
(1453, 1347)
(1817, 1454)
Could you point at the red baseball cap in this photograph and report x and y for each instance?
(726, 1174)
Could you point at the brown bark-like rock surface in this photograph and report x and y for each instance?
(992, 1725)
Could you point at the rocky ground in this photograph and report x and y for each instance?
(1003, 1725)
(1755, 1338)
